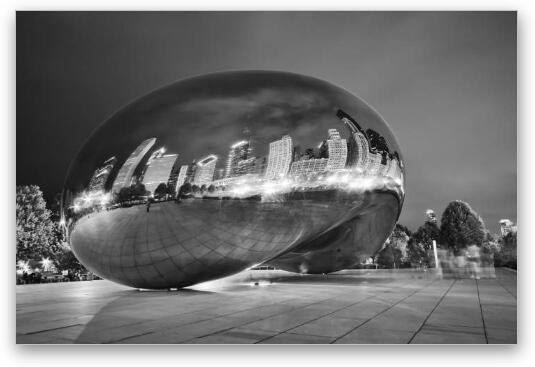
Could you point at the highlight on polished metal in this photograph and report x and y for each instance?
(215, 174)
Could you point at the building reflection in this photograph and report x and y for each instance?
(124, 177)
(360, 162)
(100, 177)
(160, 168)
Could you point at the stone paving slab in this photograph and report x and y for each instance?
(353, 307)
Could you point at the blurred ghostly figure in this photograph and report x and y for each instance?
(473, 258)
(459, 264)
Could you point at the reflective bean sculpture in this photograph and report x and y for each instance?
(218, 173)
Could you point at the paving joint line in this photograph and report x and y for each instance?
(267, 317)
(317, 318)
(128, 337)
(240, 325)
(385, 310)
(56, 328)
(481, 310)
(507, 290)
(433, 310)
(330, 313)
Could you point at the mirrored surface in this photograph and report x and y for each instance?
(218, 173)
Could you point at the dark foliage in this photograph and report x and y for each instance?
(461, 227)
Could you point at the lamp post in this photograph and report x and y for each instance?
(437, 264)
(435, 253)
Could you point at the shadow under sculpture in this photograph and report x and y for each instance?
(222, 172)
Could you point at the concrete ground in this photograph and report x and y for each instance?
(348, 307)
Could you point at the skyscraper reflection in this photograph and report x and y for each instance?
(124, 177)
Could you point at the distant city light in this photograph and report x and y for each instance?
(46, 264)
(23, 266)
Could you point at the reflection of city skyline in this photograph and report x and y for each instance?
(363, 153)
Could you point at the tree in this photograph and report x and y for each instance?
(55, 207)
(138, 190)
(161, 190)
(403, 228)
(211, 188)
(36, 232)
(171, 190)
(398, 239)
(184, 190)
(461, 227)
(416, 253)
(310, 153)
(194, 189)
(66, 260)
(420, 243)
(124, 195)
(506, 255)
(389, 257)
(426, 234)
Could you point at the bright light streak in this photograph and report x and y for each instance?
(235, 145)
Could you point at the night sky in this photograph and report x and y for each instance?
(445, 83)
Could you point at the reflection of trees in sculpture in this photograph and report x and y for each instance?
(124, 194)
(184, 190)
(377, 142)
(133, 192)
(461, 227)
(161, 190)
(309, 153)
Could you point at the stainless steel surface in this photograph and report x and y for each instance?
(258, 168)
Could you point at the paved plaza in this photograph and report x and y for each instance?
(276, 307)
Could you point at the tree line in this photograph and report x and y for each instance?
(39, 233)
(460, 227)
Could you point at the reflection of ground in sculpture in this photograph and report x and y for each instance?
(179, 244)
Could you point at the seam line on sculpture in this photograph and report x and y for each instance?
(177, 243)
(481, 310)
(433, 310)
(382, 312)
